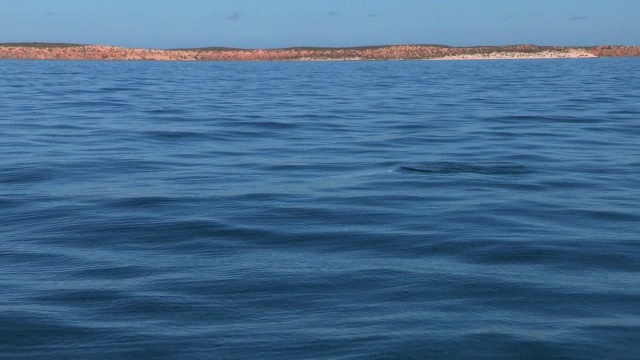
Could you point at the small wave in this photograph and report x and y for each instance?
(141, 202)
(89, 104)
(114, 89)
(25, 176)
(623, 112)
(111, 272)
(271, 125)
(5, 203)
(174, 135)
(560, 119)
(167, 111)
(458, 168)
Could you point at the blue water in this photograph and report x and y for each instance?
(320, 210)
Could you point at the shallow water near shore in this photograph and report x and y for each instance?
(320, 210)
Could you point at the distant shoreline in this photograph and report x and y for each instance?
(56, 51)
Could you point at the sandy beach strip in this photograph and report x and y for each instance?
(569, 54)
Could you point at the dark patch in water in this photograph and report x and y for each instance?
(174, 135)
(141, 202)
(457, 168)
(16, 176)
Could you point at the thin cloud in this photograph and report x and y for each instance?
(332, 13)
(234, 16)
(579, 18)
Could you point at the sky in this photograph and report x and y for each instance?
(286, 23)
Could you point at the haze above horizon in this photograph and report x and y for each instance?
(286, 23)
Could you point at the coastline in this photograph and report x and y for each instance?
(571, 54)
(46, 51)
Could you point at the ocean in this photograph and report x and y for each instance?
(339, 210)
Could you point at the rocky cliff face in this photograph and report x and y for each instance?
(43, 51)
(615, 51)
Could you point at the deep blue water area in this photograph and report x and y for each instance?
(471, 209)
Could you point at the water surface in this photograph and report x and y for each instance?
(320, 210)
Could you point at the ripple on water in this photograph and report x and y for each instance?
(460, 168)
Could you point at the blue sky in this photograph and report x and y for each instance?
(282, 23)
